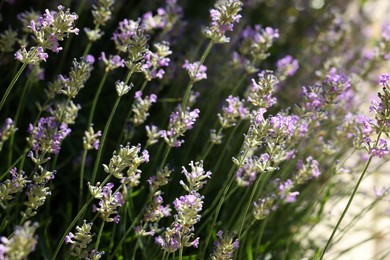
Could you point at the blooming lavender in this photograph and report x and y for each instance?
(128, 158)
(14, 185)
(223, 17)
(79, 74)
(180, 233)
(80, 240)
(21, 243)
(253, 47)
(155, 61)
(307, 171)
(48, 30)
(224, 247)
(91, 139)
(141, 107)
(165, 18)
(109, 202)
(260, 92)
(179, 123)
(286, 66)
(113, 62)
(7, 130)
(195, 70)
(101, 12)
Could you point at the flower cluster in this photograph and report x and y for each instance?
(21, 243)
(7, 130)
(253, 47)
(130, 159)
(179, 123)
(223, 17)
(260, 92)
(113, 62)
(109, 202)
(121, 88)
(165, 18)
(154, 61)
(80, 240)
(48, 30)
(78, 75)
(47, 136)
(180, 233)
(232, 112)
(91, 139)
(224, 247)
(195, 70)
(101, 12)
(286, 66)
(307, 171)
(141, 107)
(16, 184)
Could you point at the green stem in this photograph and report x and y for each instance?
(181, 253)
(103, 140)
(11, 85)
(16, 119)
(82, 170)
(192, 81)
(99, 236)
(349, 203)
(95, 99)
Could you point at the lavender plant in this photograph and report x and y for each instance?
(95, 131)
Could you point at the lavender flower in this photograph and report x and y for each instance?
(127, 158)
(195, 70)
(80, 240)
(307, 171)
(7, 130)
(91, 139)
(223, 17)
(123, 35)
(48, 30)
(260, 93)
(154, 61)
(47, 136)
(8, 38)
(109, 202)
(287, 66)
(121, 88)
(285, 193)
(263, 207)
(232, 112)
(224, 247)
(179, 123)
(141, 107)
(79, 74)
(113, 62)
(164, 19)
(21, 243)
(14, 185)
(195, 178)
(153, 134)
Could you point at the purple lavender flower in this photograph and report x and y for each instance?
(284, 191)
(47, 136)
(124, 33)
(224, 247)
(223, 17)
(380, 150)
(287, 66)
(155, 61)
(108, 203)
(195, 70)
(384, 79)
(113, 62)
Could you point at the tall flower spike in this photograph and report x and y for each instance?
(17, 182)
(141, 107)
(108, 204)
(196, 178)
(223, 17)
(80, 240)
(224, 247)
(154, 61)
(7, 131)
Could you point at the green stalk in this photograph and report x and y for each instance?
(103, 140)
(349, 203)
(81, 186)
(95, 99)
(99, 235)
(191, 83)
(11, 85)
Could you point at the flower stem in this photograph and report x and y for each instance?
(103, 140)
(99, 236)
(11, 85)
(95, 99)
(349, 202)
(191, 83)
(82, 170)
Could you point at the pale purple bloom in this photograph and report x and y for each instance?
(381, 150)
(384, 79)
(287, 65)
(195, 70)
(385, 30)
